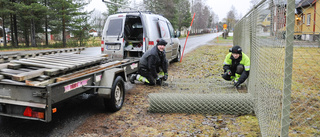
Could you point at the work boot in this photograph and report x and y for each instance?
(132, 78)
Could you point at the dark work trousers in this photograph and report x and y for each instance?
(147, 74)
(239, 69)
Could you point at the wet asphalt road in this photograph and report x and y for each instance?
(73, 112)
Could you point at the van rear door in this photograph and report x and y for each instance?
(112, 37)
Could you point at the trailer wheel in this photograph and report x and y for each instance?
(115, 103)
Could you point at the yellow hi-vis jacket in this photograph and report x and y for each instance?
(231, 63)
(245, 61)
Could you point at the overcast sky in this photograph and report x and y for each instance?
(222, 7)
(219, 7)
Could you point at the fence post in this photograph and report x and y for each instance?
(286, 100)
(271, 6)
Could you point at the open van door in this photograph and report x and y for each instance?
(134, 36)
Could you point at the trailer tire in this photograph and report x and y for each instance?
(115, 102)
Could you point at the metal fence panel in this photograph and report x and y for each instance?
(282, 40)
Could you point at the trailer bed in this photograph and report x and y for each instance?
(41, 82)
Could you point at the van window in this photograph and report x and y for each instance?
(115, 27)
(171, 30)
(164, 29)
(137, 25)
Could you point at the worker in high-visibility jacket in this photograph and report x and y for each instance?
(236, 66)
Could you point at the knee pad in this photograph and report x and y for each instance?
(240, 69)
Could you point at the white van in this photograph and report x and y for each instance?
(130, 34)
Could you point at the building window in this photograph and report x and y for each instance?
(308, 19)
(302, 18)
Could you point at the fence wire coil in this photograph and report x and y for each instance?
(235, 104)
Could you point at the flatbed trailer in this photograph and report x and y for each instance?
(31, 88)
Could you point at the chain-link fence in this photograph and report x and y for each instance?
(282, 39)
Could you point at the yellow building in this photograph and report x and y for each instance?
(307, 18)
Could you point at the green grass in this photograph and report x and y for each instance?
(221, 40)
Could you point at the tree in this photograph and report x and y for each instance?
(205, 17)
(13, 25)
(112, 9)
(46, 23)
(80, 26)
(30, 13)
(64, 14)
(183, 13)
(98, 20)
(201, 19)
(213, 20)
(80, 29)
(166, 8)
(231, 17)
(4, 12)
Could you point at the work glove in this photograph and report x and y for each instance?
(228, 72)
(159, 81)
(165, 77)
(236, 84)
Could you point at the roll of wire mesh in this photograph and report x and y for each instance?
(235, 104)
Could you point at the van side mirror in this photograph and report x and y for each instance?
(177, 34)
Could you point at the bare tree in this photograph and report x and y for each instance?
(213, 20)
(231, 17)
(202, 16)
(97, 21)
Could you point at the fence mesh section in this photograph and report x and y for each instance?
(264, 35)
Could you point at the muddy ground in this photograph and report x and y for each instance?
(134, 119)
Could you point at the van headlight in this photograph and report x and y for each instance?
(113, 47)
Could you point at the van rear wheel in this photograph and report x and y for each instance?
(177, 59)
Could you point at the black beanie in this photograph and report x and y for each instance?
(161, 42)
(236, 49)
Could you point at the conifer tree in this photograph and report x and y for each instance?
(65, 13)
(4, 15)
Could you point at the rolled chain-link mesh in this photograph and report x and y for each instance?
(201, 103)
(208, 96)
(282, 39)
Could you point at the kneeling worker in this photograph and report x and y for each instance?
(236, 66)
(151, 63)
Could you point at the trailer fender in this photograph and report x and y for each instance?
(107, 80)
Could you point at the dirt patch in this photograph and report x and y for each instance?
(202, 65)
